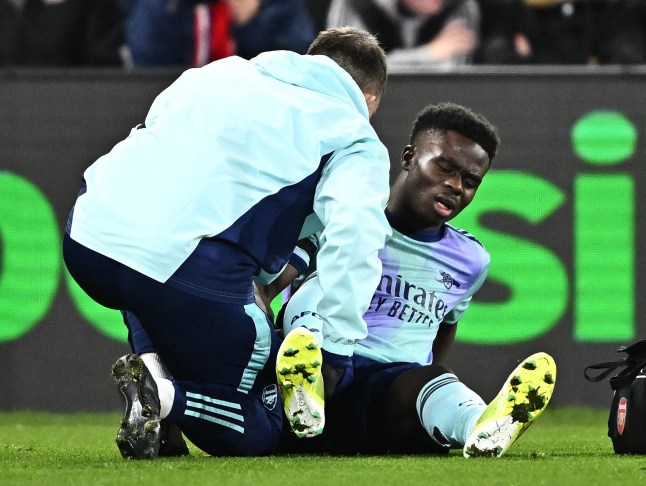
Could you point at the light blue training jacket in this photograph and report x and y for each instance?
(217, 187)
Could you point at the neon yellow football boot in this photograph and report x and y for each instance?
(518, 404)
(298, 370)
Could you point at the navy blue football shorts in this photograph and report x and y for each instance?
(221, 355)
(357, 420)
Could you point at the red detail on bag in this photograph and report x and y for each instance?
(621, 414)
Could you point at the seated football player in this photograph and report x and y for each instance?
(395, 394)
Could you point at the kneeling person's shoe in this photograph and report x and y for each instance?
(139, 435)
(518, 404)
(298, 371)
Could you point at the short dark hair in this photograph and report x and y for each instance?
(450, 116)
(358, 52)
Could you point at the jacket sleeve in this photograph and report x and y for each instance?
(350, 201)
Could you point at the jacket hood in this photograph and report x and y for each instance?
(317, 73)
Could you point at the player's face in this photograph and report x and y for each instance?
(442, 174)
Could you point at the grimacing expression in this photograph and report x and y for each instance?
(445, 169)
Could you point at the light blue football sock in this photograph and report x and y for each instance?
(450, 406)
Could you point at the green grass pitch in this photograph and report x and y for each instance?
(564, 447)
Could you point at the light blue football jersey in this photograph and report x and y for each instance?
(423, 284)
(426, 279)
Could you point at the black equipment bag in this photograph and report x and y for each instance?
(627, 420)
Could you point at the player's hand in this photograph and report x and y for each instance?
(262, 300)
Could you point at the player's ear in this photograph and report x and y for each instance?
(407, 156)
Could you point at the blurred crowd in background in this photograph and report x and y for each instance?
(438, 33)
